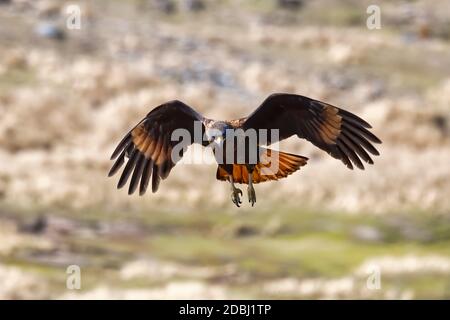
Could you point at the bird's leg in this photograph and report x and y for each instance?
(235, 193)
(250, 190)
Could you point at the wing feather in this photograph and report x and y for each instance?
(358, 130)
(122, 145)
(118, 164)
(155, 178)
(137, 173)
(148, 146)
(128, 169)
(359, 150)
(340, 133)
(146, 174)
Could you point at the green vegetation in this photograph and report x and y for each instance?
(262, 246)
(67, 102)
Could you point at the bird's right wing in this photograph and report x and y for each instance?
(148, 146)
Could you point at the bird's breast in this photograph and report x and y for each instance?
(236, 152)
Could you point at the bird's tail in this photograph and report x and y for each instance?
(273, 165)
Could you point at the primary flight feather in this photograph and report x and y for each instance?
(149, 145)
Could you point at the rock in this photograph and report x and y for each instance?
(194, 5)
(367, 233)
(165, 6)
(50, 31)
(290, 4)
(161, 270)
(38, 225)
(441, 122)
(244, 231)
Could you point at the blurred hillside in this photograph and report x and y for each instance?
(68, 96)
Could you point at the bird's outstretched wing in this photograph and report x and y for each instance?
(340, 133)
(148, 146)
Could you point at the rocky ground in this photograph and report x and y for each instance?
(67, 97)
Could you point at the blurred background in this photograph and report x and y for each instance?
(68, 95)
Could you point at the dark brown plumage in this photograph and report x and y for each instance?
(340, 133)
(148, 146)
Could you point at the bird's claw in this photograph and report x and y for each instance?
(251, 195)
(235, 197)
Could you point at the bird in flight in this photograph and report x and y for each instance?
(149, 148)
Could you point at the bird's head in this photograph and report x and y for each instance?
(216, 132)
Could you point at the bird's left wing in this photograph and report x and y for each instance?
(148, 146)
(340, 133)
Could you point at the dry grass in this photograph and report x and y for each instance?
(64, 105)
(62, 121)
